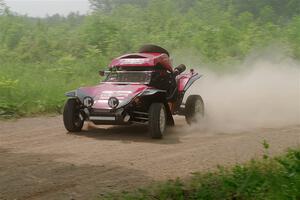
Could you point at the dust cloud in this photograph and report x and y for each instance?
(264, 93)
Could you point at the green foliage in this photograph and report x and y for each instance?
(266, 146)
(277, 178)
(2, 7)
(51, 55)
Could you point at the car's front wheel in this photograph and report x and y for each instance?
(71, 116)
(157, 120)
(194, 109)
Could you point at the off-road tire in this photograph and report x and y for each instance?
(194, 109)
(71, 118)
(155, 120)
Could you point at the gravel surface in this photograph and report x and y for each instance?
(40, 160)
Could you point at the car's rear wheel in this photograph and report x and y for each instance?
(71, 116)
(157, 120)
(194, 109)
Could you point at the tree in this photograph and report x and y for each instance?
(3, 7)
(108, 5)
(102, 5)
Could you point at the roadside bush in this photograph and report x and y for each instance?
(276, 178)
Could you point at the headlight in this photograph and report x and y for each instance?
(113, 102)
(88, 101)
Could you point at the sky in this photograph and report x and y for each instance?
(41, 8)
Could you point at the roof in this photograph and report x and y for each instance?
(142, 60)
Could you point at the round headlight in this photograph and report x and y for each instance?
(88, 101)
(113, 102)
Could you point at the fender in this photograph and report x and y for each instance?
(71, 94)
(185, 81)
(152, 91)
(76, 94)
(191, 81)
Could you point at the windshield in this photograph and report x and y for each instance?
(143, 77)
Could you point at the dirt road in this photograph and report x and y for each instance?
(39, 160)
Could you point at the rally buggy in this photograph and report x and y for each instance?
(138, 88)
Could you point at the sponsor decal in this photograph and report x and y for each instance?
(120, 94)
(133, 61)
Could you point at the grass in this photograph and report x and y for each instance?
(266, 179)
(30, 89)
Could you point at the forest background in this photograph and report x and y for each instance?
(42, 58)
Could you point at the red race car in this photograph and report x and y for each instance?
(138, 88)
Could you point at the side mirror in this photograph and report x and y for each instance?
(101, 73)
(178, 70)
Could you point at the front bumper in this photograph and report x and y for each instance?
(108, 117)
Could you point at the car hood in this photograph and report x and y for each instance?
(101, 93)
